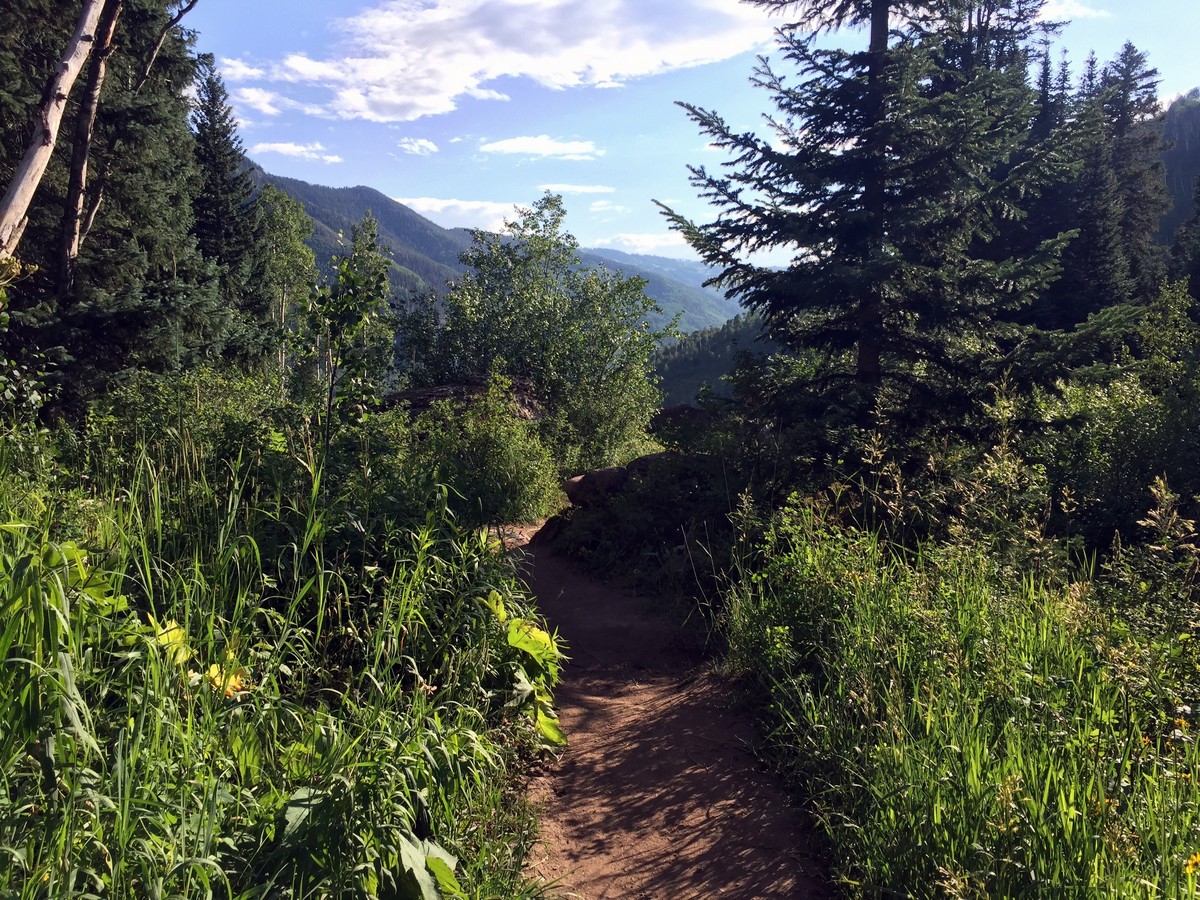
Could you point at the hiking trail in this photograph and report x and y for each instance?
(658, 796)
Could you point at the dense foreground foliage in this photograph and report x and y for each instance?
(967, 727)
(236, 669)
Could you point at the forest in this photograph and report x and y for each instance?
(935, 514)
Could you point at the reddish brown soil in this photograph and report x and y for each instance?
(658, 794)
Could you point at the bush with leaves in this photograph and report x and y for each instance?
(493, 461)
(527, 309)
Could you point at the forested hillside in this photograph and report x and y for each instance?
(260, 637)
(426, 257)
(1181, 156)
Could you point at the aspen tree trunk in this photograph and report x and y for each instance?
(18, 196)
(73, 207)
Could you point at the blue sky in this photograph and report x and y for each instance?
(464, 108)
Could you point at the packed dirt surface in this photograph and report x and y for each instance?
(658, 796)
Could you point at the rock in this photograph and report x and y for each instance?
(594, 487)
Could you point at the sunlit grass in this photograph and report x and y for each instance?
(215, 686)
(962, 734)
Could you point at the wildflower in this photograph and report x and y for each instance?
(228, 679)
(1192, 864)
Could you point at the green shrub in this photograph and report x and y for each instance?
(492, 460)
(959, 729)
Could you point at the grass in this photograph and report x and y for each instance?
(217, 684)
(962, 732)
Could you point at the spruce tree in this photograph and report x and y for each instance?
(142, 294)
(1129, 97)
(227, 227)
(886, 178)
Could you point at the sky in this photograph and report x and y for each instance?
(465, 109)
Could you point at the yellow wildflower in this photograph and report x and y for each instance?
(229, 680)
(1192, 864)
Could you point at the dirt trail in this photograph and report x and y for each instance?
(658, 796)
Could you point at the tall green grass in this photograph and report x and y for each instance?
(962, 732)
(219, 677)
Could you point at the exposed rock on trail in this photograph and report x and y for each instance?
(658, 795)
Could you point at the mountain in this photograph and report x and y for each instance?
(704, 357)
(425, 255)
(688, 271)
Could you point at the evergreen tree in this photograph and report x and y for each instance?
(886, 179)
(1129, 96)
(1088, 203)
(142, 294)
(227, 227)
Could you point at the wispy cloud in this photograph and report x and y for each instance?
(314, 151)
(451, 213)
(1065, 10)
(577, 188)
(607, 206)
(271, 103)
(239, 70)
(668, 243)
(399, 60)
(544, 145)
(260, 100)
(418, 146)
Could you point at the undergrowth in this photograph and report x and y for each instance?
(970, 712)
(225, 676)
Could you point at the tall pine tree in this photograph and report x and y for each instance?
(227, 225)
(1129, 97)
(141, 294)
(886, 179)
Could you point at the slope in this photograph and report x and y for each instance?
(425, 255)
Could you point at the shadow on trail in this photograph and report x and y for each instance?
(658, 795)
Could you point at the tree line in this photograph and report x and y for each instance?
(957, 204)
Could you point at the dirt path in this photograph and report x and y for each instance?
(657, 797)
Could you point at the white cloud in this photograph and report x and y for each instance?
(449, 213)
(239, 70)
(314, 151)
(270, 103)
(1065, 10)
(400, 60)
(577, 188)
(544, 145)
(607, 206)
(261, 100)
(418, 146)
(667, 243)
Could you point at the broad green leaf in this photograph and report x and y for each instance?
(299, 805)
(412, 856)
(548, 726)
(524, 635)
(495, 603)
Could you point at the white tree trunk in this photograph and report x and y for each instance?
(19, 194)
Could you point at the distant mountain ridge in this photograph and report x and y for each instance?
(425, 256)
